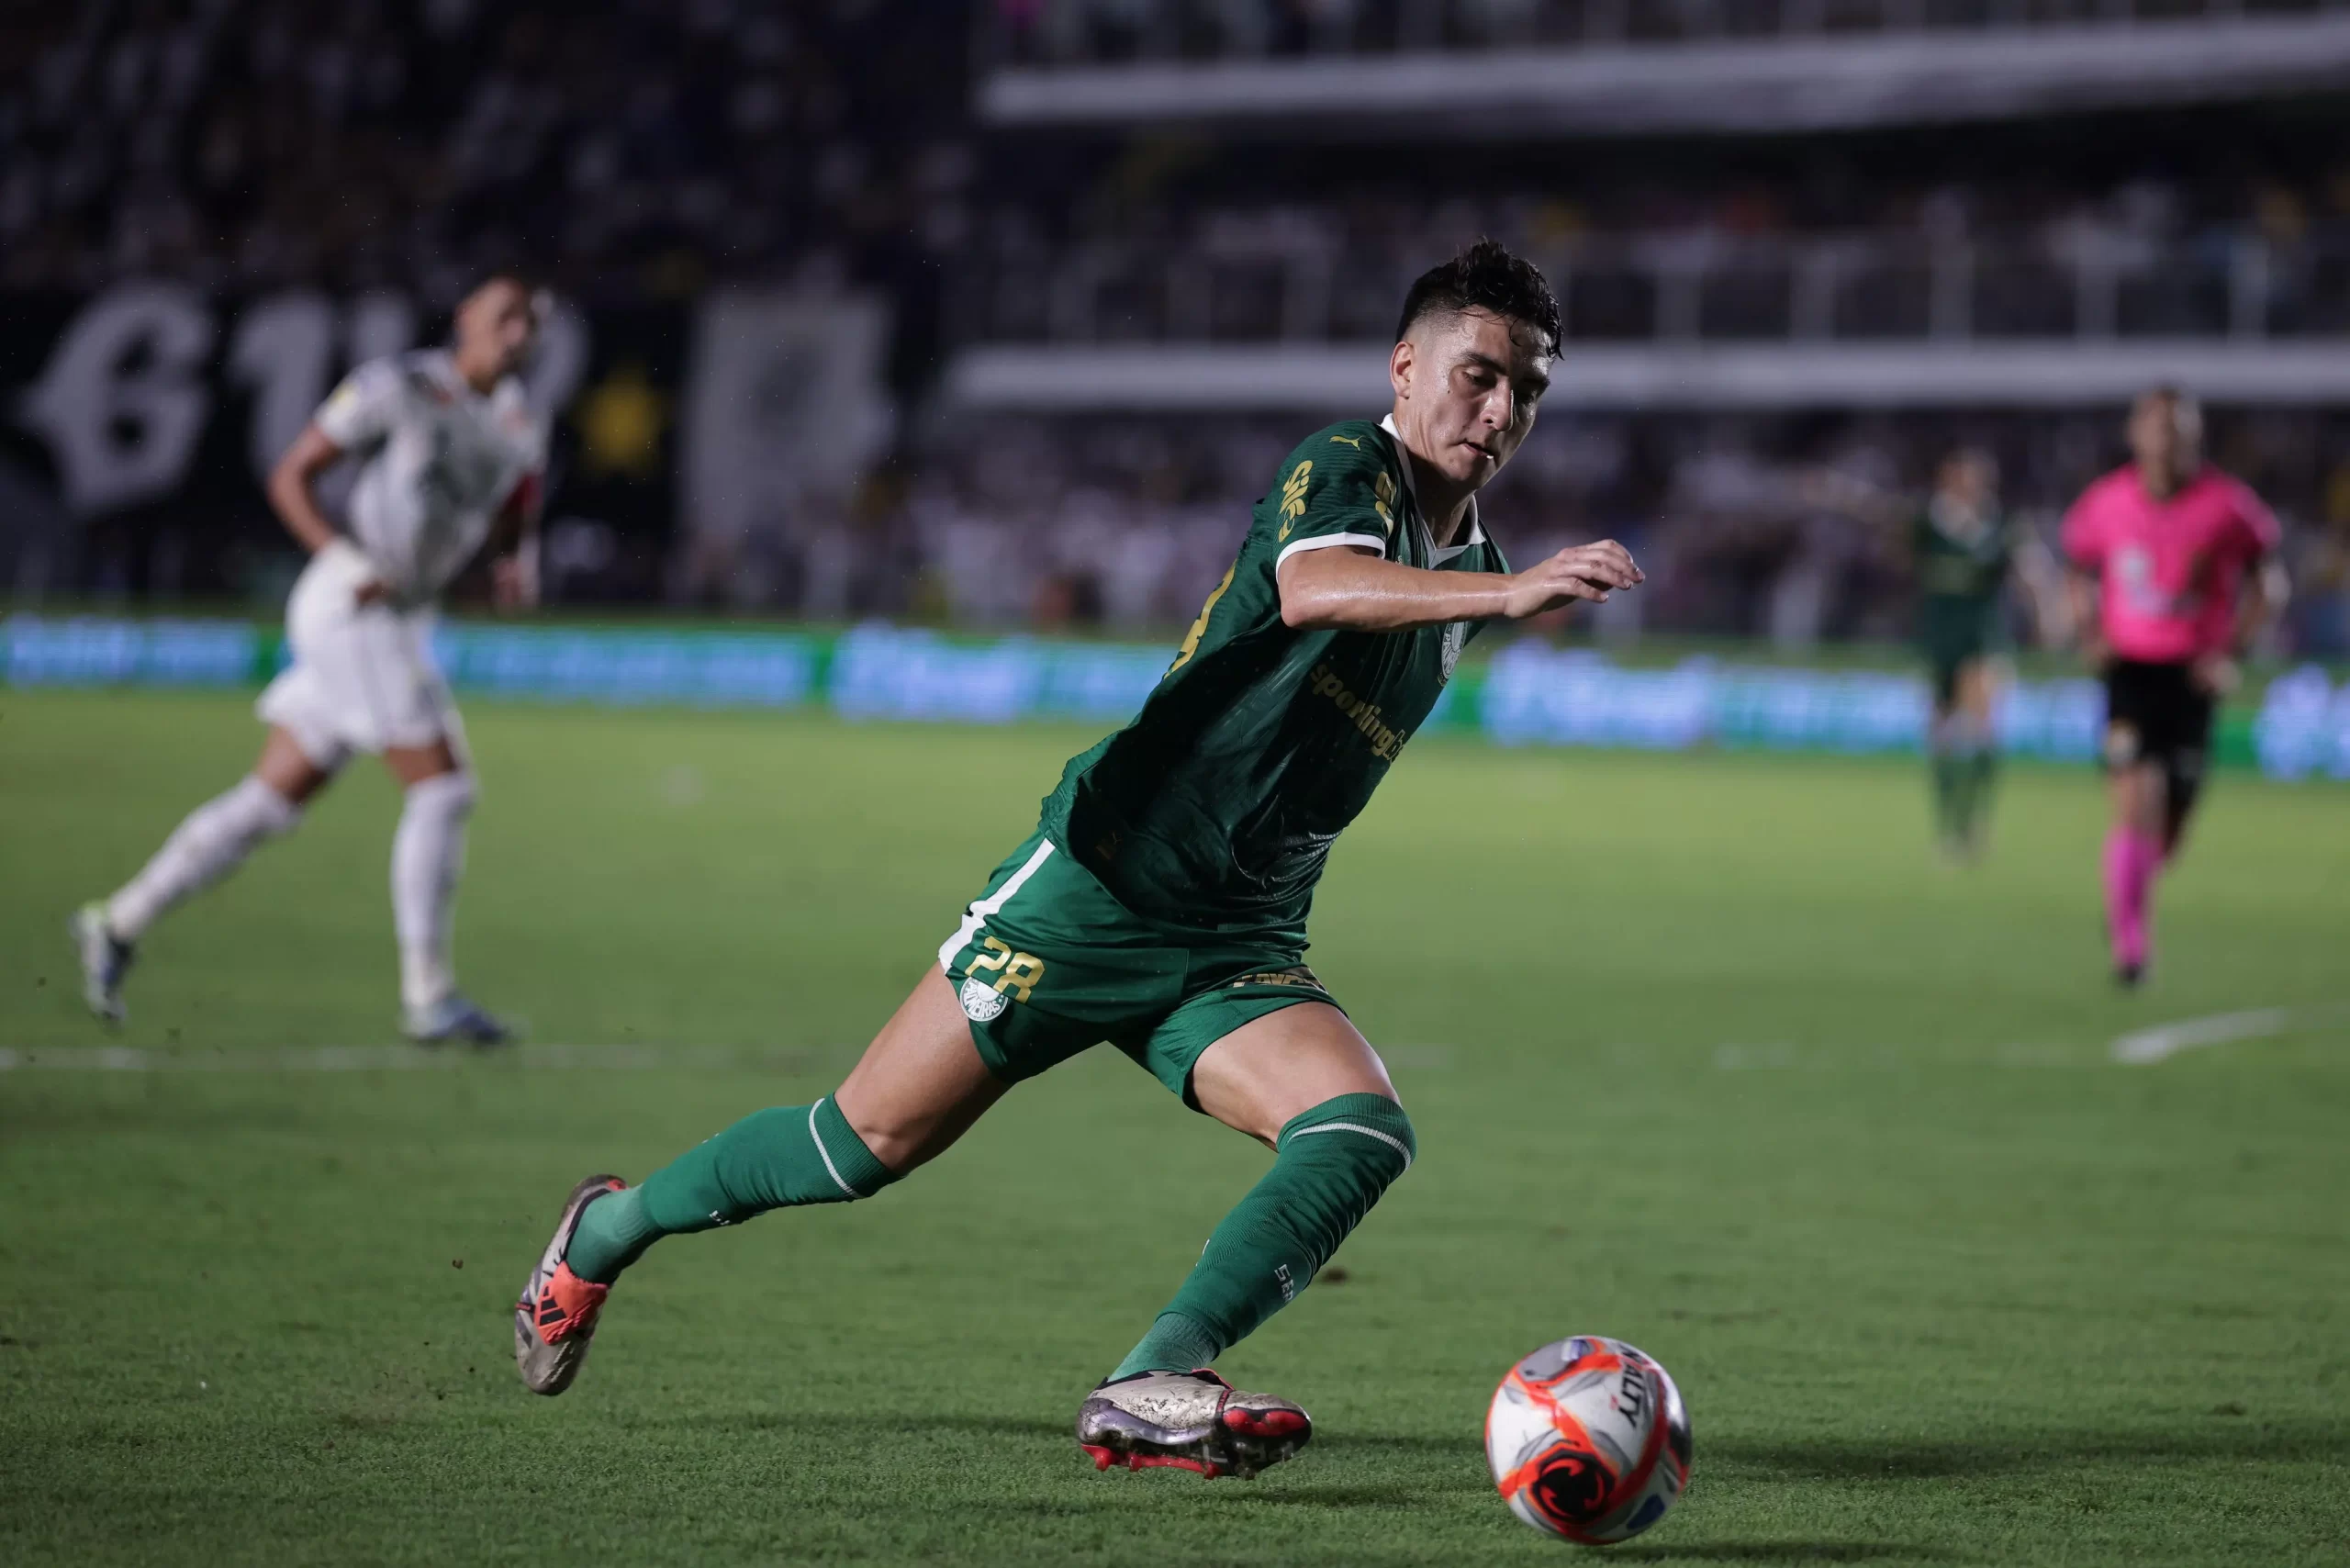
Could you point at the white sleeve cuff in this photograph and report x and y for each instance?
(1371, 542)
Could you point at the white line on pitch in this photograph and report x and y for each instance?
(2143, 1047)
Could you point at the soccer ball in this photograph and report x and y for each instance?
(1588, 1440)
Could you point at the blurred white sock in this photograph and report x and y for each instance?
(210, 843)
(428, 855)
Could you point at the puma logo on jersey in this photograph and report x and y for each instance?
(1353, 441)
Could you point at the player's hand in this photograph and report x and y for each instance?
(1582, 571)
(514, 582)
(372, 591)
(2215, 675)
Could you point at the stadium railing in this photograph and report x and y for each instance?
(1614, 66)
(2090, 284)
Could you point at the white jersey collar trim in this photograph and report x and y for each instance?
(1476, 525)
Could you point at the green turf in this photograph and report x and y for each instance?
(1704, 1052)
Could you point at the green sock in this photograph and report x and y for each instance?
(771, 1159)
(1982, 774)
(1331, 1164)
(1177, 1342)
(1948, 790)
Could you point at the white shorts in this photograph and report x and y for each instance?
(362, 678)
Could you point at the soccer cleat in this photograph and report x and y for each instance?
(556, 1316)
(1190, 1420)
(452, 1018)
(2130, 976)
(106, 958)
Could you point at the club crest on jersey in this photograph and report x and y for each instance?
(982, 1004)
(1456, 637)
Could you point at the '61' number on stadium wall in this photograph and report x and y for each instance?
(133, 379)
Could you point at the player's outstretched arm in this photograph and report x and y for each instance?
(2044, 585)
(1351, 589)
(513, 547)
(2088, 636)
(290, 492)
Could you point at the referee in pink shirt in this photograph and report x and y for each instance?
(2173, 572)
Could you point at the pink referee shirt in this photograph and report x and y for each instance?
(2170, 571)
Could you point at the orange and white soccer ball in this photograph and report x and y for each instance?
(1588, 1440)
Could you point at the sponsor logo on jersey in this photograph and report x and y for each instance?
(1386, 741)
(1292, 505)
(1353, 441)
(1383, 497)
(982, 1004)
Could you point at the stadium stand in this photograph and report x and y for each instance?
(1104, 334)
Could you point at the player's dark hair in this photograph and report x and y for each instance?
(1485, 276)
(515, 276)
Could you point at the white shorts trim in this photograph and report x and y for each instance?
(1371, 542)
(977, 915)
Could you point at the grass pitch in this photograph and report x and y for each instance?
(1704, 1052)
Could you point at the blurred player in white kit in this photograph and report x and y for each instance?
(451, 460)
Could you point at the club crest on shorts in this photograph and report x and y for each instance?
(982, 1004)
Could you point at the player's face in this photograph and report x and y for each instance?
(1466, 387)
(497, 326)
(2164, 435)
(1972, 479)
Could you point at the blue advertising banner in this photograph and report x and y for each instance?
(1526, 695)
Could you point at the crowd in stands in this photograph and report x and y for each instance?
(1125, 525)
(651, 149)
(633, 146)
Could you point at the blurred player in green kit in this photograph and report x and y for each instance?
(1964, 549)
(1160, 903)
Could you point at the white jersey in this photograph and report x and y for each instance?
(437, 463)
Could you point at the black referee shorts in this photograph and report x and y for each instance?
(2154, 712)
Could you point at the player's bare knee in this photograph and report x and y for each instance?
(899, 1143)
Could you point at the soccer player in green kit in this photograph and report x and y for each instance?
(1161, 902)
(1964, 547)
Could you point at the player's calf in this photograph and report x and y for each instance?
(1162, 1406)
(770, 1159)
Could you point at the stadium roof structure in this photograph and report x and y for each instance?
(1782, 84)
(2067, 372)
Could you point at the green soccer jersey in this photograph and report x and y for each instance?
(1215, 809)
(1962, 557)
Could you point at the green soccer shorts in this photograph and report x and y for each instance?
(1047, 964)
(1953, 633)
